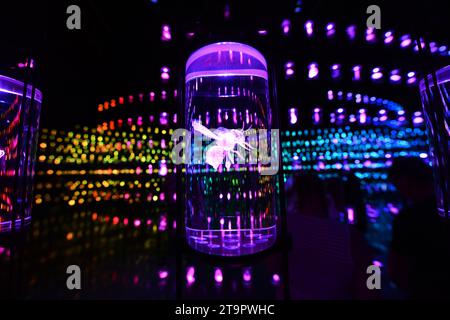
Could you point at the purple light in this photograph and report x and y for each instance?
(401, 112)
(423, 155)
(351, 215)
(166, 35)
(162, 224)
(351, 32)
(247, 276)
(356, 73)
(313, 71)
(370, 35)
(405, 41)
(218, 276)
(309, 27)
(262, 32)
(276, 279)
(442, 48)
(340, 110)
(163, 168)
(293, 115)
(190, 275)
(377, 263)
(382, 111)
(422, 44)
(316, 115)
(433, 47)
(289, 69)
(362, 116)
(418, 120)
(395, 76)
(411, 77)
(165, 73)
(376, 74)
(330, 29)
(226, 11)
(286, 26)
(163, 274)
(163, 118)
(335, 71)
(388, 37)
(330, 95)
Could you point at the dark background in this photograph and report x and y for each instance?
(118, 49)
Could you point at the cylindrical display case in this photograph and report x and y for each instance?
(435, 93)
(19, 125)
(232, 152)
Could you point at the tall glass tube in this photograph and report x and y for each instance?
(435, 93)
(232, 151)
(19, 125)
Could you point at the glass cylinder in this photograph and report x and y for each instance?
(19, 125)
(232, 152)
(435, 93)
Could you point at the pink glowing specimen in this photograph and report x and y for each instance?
(224, 144)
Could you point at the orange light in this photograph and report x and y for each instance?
(69, 236)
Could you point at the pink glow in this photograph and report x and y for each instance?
(356, 72)
(163, 274)
(293, 116)
(330, 29)
(218, 276)
(376, 74)
(313, 71)
(388, 37)
(190, 275)
(137, 223)
(247, 276)
(286, 26)
(405, 41)
(351, 215)
(166, 35)
(377, 263)
(309, 25)
(351, 32)
(370, 35)
(276, 278)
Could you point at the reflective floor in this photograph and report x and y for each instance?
(124, 258)
(136, 258)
